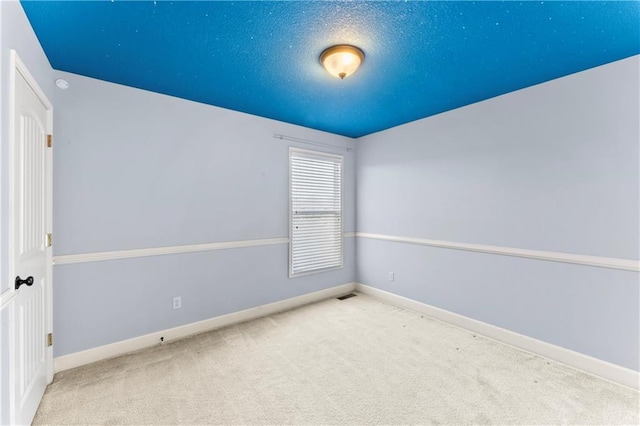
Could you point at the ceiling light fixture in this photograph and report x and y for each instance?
(342, 60)
(62, 84)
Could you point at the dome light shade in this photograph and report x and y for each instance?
(342, 60)
(62, 84)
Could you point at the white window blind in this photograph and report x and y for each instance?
(316, 211)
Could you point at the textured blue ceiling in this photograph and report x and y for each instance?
(422, 58)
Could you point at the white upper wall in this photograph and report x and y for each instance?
(136, 169)
(551, 167)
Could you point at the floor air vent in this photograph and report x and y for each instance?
(347, 296)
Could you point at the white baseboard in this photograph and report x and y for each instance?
(595, 366)
(577, 360)
(119, 348)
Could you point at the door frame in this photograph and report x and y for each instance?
(17, 66)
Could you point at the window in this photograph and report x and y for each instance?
(315, 193)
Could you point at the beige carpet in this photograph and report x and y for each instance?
(357, 361)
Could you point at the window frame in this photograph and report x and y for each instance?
(322, 156)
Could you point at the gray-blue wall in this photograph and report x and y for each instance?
(553, 167)
(134, 169)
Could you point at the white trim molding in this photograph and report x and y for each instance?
(576, 259)
(159, 251)
(111, 350)
(582, 362)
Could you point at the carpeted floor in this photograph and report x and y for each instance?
(356, 361)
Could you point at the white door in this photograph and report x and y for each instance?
(30, 251)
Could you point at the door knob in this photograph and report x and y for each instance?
(28, 281)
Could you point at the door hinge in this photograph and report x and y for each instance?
(50, 339)
(49, 141)
(49, 240)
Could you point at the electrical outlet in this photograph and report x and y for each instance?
(391, 276)
(177, 302)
